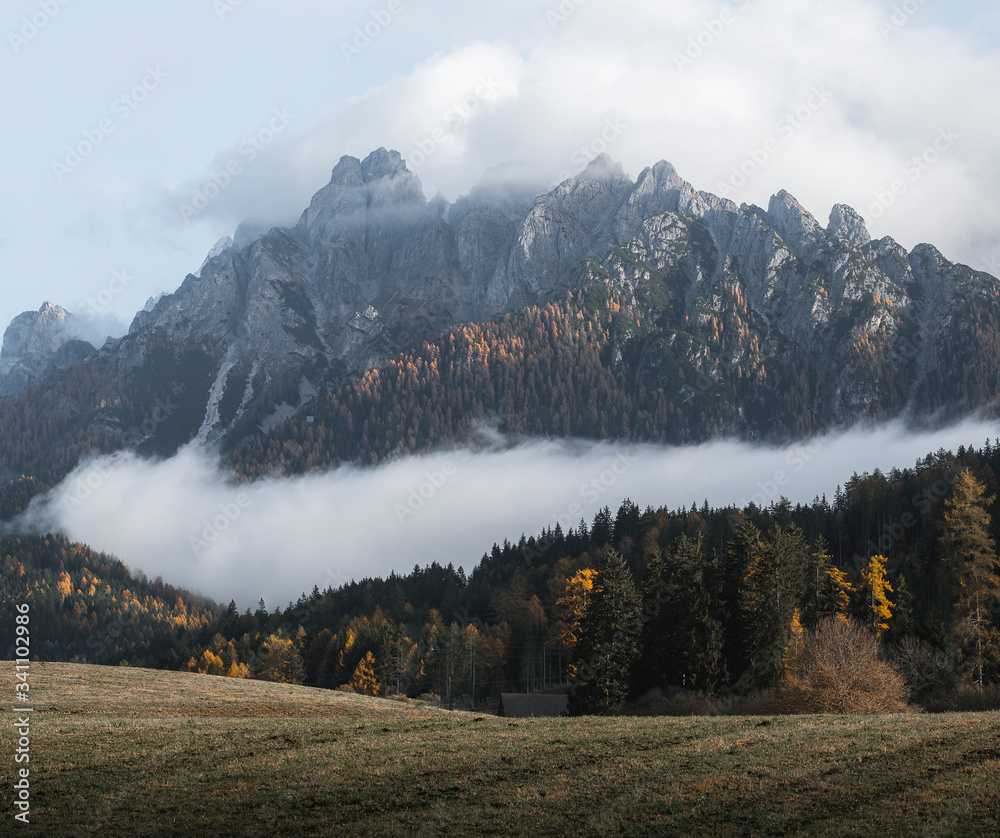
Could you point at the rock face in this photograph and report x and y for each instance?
(373, 267)
(38, 343)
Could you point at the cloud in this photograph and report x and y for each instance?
(704, 85)
(276, 539)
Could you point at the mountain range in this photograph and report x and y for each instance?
(384, 322)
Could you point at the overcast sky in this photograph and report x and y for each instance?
(118, 114)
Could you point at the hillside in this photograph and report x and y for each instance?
(88, 606)
(125, 751)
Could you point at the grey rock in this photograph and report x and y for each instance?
(38, 343)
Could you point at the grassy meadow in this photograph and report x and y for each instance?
(132, 752)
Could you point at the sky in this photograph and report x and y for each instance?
(138, 134)
(276, 539)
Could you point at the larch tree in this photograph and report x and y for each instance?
(570, 608)
(281, 660)
(969, 556)
(875, 591)
(363, 680)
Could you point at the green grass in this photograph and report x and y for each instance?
(131, 752)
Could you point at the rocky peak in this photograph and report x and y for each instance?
(383, 164)
(602, 168)
(36, 343)
(795, 225)
(847, 226)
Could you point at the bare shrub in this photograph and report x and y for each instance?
(838, 670)
(760, 703)
(674, 701)
(928, 671)
(968, 698)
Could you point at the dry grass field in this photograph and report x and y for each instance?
(131, 752)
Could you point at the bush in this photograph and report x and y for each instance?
(674, 701)
(839, 670)
(928, 671)
(968, 698)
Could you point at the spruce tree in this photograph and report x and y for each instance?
(970, 561)
(609, 639)
(682, 638)
(772, 589)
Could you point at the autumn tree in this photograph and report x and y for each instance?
(609, 639)
(281, 660)
(839, 669)
(970, 561)
(570, 608)
(363, 680)
(875, 590)
(829, 593)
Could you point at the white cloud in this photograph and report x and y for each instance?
(605, 60)
(277, 539)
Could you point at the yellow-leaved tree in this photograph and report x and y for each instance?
(876, 588)
(363, 680)
(795, 640)
(570, 608)
(281, 660)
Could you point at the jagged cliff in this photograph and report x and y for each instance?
(770, 322)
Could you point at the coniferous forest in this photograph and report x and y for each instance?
(701, 601)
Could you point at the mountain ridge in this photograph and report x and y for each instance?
(819, 323)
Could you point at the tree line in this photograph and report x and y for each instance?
(701, 599)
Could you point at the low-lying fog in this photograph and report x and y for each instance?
(274, 540)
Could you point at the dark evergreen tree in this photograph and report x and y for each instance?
(968, 553)
(609, 639)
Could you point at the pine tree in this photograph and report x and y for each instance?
(772, 588)
(681, 637)
(609, 639)
(969, 556)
